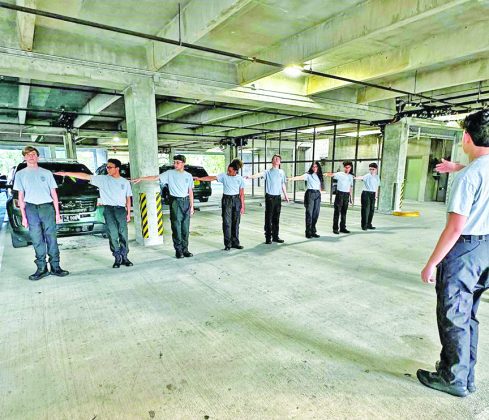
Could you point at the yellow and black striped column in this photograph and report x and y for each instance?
(143, 208)
(159, 213)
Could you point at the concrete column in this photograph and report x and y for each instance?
(229, 154)
(459, 156)
(393, 165)
(143, 155)
(70, 146)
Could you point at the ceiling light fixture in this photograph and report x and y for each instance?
(293, 71)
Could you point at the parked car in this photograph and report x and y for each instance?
(77, 204)
(202, 189)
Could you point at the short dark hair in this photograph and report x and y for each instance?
(117, 163)
(29, 149)
(348, 162)
(236, 164)
(373, 165)
(180, 157)
(276, 155)
(477, 125)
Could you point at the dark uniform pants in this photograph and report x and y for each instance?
(312, 203)
(462, 277)
(231, 216)
(116, 228)
(42, 229)
(368, 206)
(340, 208)
(180, 222)
(273, 206)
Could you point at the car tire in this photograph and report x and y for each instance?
(17, 242)
(204, 199)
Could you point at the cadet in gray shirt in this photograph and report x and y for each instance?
(343, 196)
(115, 196)
(312, 198)
(232, 203)
(369, 193)
(181, 184)
(38, 202)
(274, 186)
(461, 258)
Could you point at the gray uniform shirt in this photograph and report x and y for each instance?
(113, 191)
(313, 182)
(231, 184)
(469, 196)
(371, 182)
(274, 179)
(36, 184)
(178, 182)
(345, 181)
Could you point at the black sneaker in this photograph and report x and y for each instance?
(58, 271)
(344, 230)
(364, 228)
(187, 254)
(470, 384)
(39, 274)
(227, 248)
(237, 246)
(178, 254)
(435, 381)
(126, 262)
(278, 240)
(117, 262)
(315, 235)
(336, 231)
(268, 241)
(371, 227)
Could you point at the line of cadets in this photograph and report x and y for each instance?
(460, 258)
(40, 208)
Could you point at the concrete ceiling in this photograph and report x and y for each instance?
(438, 48)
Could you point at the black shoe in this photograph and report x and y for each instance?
(187, 254)
(364, 228)
(278, 240)
(344, 230)
(371, 227)
(470, 384)
(315, 235)
(268, 241)
(58, 271)
(336, 231)
(39, 274)
(435, 381)
(227, 248)
(126, 262)
(308, 236)
(178, 254)
(237, 246)
(117, 262)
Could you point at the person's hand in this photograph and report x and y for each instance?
(446, 167)
(128, 217)
(58, 218)
(192, 211)
(287, 199)
(428, 273)
(247, 177)
(242, 211)
(136, 180)
(25, 223)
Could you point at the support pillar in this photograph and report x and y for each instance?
(143, 156)
(393, 165)
(70, 146)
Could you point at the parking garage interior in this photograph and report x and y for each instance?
(333, 327)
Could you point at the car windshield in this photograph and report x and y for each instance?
(65, 167)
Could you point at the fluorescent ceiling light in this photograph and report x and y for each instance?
(454, 117)
(293, 71)
(321, 129)
(362, 133)
(116, 139)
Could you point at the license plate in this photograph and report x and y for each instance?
(196, 183)
(70, 217)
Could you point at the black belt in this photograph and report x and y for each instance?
(273, 195)
(342, 192)
(473, 238)
(116, 207)
(179, 198)
(370, 192)
(230, 196)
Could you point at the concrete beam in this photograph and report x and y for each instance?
(166, 108)
(94, 106)
(460, 74)
(448, 46)
(23, 99)
(26, 25)
(197, 20)
(358, 24)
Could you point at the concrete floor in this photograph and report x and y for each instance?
(328, 328)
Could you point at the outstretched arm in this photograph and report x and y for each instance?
(145, 178)
(254, 176)
(296, 178)
(330, 174)
(447, 167)
(79, 175)
(358, 177)
(206, 178)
